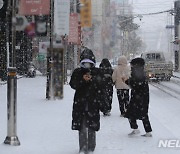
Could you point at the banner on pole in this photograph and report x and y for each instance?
(34, 7)
(61, 17)
(86, 13)
(73, 29)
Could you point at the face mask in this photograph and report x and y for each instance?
(87, 65)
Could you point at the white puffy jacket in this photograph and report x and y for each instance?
(121, 73)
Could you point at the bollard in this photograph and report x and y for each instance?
(12, 138)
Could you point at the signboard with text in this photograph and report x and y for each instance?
(34, 7)
(86, 13)
(73, 29)
(21, 23)
(41, 25)
(43, 46)
(61, 17)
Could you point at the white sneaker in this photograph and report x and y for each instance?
(107, 114)
(81, 152)
(134, 132)
(147, 134)
(121, 115)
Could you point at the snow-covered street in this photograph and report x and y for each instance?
(131, 42)
(44, 127)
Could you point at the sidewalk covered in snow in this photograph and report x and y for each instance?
(44, 127)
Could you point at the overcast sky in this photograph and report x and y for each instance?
(152, 6)
(153, 26)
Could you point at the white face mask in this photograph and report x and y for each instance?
(87, 65)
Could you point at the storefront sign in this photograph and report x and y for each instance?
(34, 7)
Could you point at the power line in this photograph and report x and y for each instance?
(158, 19)
(155, 13)
(152, 6)
(153, 3)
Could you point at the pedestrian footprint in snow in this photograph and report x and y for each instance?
(107, 71)
(87, 81)
(139, 102)
(120, 75)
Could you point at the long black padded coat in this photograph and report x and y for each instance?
(89, 98)
(107, 72)
(139, 102)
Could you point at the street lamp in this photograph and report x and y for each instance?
(12, 138)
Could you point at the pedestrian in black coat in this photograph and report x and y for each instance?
(88, 101)
(107, 71)
(139, 102)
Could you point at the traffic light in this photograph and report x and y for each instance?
(3, 9)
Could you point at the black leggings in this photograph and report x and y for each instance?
(146, 124)
(109, 93)
(123, 98)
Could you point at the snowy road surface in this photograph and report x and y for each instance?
(44, 127)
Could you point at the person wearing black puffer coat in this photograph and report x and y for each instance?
(139, 102)
(107, 71)
(87, 81)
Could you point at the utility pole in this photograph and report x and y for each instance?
(3, 28)
(50, 70)
(177, 34)
(123, 41)
(75, 46)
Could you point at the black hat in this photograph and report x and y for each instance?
(137, 61)
(87, 54)
(105, 63)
